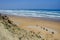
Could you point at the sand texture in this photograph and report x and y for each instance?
(26, 28)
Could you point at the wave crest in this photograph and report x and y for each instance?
(31, 13)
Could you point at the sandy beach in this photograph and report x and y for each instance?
(24, 28)
(27, 21)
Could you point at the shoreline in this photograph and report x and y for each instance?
(43, 18)
(39, 18)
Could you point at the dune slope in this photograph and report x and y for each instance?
(12, 30)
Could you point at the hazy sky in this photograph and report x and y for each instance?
(29, 4)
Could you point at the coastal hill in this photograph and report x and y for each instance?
(13, 28)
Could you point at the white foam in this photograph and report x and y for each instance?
(31, 13)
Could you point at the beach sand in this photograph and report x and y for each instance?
(35, 27)
(36, 24)
(29, 21)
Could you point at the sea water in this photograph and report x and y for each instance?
(34, 13)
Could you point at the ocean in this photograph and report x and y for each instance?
(34, 13)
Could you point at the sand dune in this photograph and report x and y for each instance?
(26, 28)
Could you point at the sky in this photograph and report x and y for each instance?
(29, 4)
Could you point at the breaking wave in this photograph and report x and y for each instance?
(30, 13)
